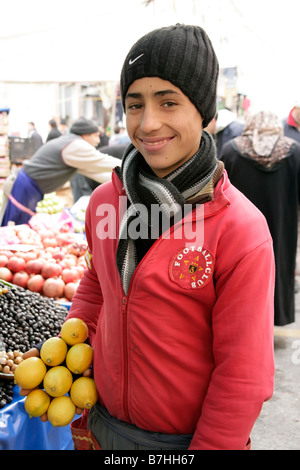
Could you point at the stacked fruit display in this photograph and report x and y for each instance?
(27, 319)
(53, 271)
(9, 361)
(19, 234)
(56, 377)
(50, 204)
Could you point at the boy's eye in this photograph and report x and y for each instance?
(169, 104)
(137, 106)
(134, 106)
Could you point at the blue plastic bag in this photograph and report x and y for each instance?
(20, 432)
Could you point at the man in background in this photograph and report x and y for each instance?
(34, 137)
(52, 165)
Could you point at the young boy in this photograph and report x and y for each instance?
(178, 296)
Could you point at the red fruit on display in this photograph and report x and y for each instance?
(53, 287)
(70, 261)
(34, 266)
(81, 261)
(26, 255)
(6, 274)
(80, 269)
(16, 264)
(29, 255)
(46, 233)
(51, 269)
(45, 255)
(35, 283)
(59, 255)
(70, 290)
(7, 253)
(47, 242)
(62, 264)
(51, 249)
(70, 275)
(36, 253)
(3, 260)
(20, 279)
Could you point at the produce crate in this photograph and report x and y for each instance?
(20, 149)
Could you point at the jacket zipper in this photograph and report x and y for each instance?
(125, 336)
(125, 356)
(125, 332)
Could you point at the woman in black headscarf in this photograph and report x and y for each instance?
(265, 166)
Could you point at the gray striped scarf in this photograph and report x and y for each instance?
(144, 189)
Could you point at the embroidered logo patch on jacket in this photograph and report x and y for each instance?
(192, 267)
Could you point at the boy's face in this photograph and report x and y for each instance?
(162, 124)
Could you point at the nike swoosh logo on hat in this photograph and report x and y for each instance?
(131, 61)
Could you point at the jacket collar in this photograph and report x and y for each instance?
(219, 202)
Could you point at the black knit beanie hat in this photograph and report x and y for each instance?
(182, 55)
(84, 126)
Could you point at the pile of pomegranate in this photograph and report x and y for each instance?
(53, 266)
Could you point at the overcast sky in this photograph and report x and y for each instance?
(65, 40)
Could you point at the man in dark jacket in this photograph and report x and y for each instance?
(35, 138)
(55, 163)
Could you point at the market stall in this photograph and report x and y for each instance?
(41, 265)
(48, 254)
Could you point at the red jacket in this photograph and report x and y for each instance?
(190, 349)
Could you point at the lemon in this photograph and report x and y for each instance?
(30, 372)
(74, 331)
(79, 358)
(84, 392)
(37, 403)
(58, 381)
(61, 411)
(53, 351)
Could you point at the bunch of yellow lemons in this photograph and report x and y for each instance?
(59, 393)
